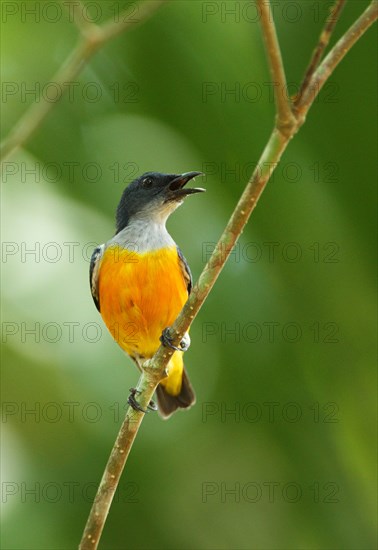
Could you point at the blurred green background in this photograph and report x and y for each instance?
(279, 451)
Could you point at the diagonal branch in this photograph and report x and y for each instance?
(38, 111)
(334, 57)
(324, 39)
(285, 118)
(93, 38)
(154, 371)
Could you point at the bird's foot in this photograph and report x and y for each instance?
(166, 340)
(135, 405)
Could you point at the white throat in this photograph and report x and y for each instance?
(142, 235)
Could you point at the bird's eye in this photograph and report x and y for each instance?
(147, 182)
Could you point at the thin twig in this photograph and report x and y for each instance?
(154, 370)
(285, 118)
(324, 39)
(334, 57)
(33, 117)
(92, 40)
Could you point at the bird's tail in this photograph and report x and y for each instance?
(169, 403)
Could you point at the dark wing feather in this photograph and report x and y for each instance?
(93, 273)
(185, 270)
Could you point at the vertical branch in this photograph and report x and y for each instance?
(285, 118)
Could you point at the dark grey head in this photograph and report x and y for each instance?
(153, 196)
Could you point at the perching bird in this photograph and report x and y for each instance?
(140, 280)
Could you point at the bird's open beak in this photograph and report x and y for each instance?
(175, 189)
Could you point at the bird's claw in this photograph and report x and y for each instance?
(166, 340)
(135, 405)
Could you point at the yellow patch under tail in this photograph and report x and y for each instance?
(172, 384)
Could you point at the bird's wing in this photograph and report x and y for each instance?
(185, 270)
(93, 273)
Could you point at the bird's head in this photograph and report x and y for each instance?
(154, 196)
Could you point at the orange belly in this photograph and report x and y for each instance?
(140, 295)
